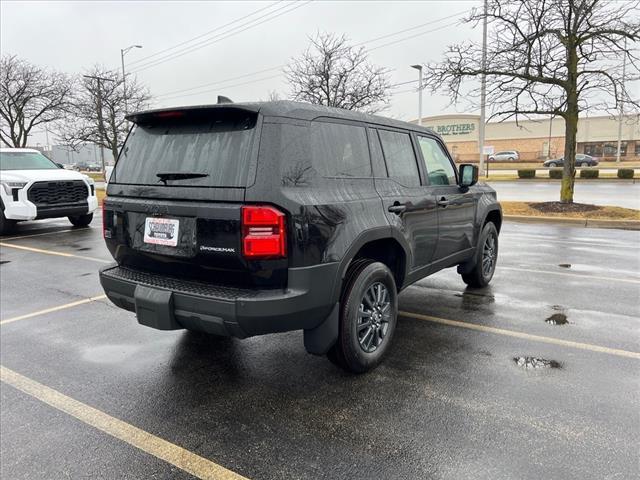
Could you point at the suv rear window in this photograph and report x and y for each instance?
(214, 145)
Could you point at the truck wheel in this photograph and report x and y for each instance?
(368, 317)
(81, 220)
(6, 226)
(485, 259)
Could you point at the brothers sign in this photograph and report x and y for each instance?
(454, 129)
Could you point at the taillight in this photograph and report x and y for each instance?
(104, 220)
(263, 232)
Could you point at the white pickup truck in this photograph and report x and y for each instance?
(33, 187)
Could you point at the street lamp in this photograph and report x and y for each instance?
(123, 52)
(419, 68)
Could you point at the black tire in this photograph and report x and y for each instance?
(360, 350)
(487, 252)
(553, 165)
(6, 226)
(584, 164)
(511, 159)
(81, 220)
(492, 159)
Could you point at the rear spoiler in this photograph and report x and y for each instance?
(191, 112)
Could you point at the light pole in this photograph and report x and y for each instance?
(622, 97)
(483, 89)
(123, 52)
(419, 68)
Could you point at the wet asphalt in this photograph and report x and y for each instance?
(448, 403)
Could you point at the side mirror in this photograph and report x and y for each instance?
(468, 175)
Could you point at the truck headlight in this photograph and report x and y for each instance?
(9, 186)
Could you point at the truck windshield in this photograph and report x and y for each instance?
(25, 161)
(217, 148)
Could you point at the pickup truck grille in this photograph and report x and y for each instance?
(58, 193)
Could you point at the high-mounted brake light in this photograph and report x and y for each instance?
(171, 114)
(263, 232)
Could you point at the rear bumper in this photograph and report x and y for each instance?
(169, 303)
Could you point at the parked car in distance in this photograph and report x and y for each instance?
(33, 187)
(582, 160)
(505, 156)
(87, 167)
(275, 223)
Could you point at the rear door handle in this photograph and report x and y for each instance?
(443, 202)
(398, 208)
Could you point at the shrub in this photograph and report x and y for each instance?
(527, 173)
(625, 173)
(555, 173)
(588, 173)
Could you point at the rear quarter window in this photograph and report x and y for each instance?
(339, 150)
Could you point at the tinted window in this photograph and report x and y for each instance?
(339, 150)
(25, 161)
(215, 147)
(439, 168)
(400, 158)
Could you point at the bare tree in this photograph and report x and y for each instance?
(547, 57)
(333, 73)
(83, 125)
(30, 96)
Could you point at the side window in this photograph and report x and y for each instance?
(439, 168)
(340, 150)
(400, 157)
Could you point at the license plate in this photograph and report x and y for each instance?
(161, 231)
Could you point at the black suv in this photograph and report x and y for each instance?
(247, 219)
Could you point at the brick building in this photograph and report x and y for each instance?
(537, 139)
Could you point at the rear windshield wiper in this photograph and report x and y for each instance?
(164, 176)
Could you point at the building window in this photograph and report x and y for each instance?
(637, 149)
(607, 149)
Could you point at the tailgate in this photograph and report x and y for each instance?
(186, 239)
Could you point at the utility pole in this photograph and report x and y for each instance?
(99, 80)
(123, 52)
(549, 142)
(419, 68)
(622, 97)
(483, 89)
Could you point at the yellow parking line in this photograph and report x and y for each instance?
(52, 252)
(526, 336)
(188, 461)
(53, 309)
(570, 274)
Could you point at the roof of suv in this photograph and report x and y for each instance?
(291, 109)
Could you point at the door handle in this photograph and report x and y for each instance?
(398, 208)
(443, 202)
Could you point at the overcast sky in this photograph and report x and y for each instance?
(73, 36)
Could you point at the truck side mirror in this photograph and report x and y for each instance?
(468, 175)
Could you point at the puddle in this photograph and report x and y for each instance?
(86, 274)
(557, 319)
(565, 265)
(83, 249)
(534, 362)
(4, 261)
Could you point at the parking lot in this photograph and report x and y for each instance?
(87, 392)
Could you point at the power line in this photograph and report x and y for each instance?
(143, 59)
(411, 28)
(221, 81)
(224, 35)
(174, 92)
(224, 86)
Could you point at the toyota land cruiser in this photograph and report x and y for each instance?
(247, 219)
